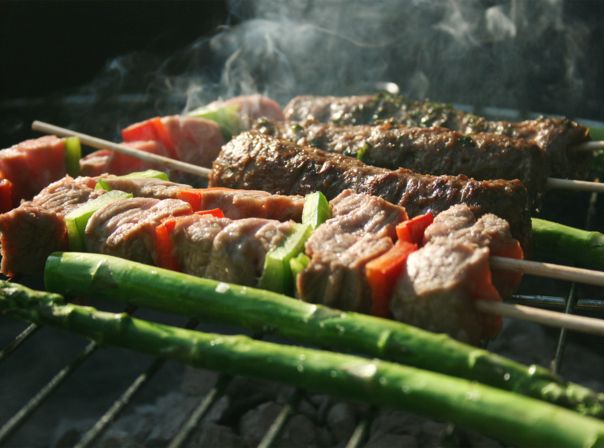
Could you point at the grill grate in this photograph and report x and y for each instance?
(362, 427)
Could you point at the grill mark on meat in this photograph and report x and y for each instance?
(125, 228)
(253, 160)
(554, 135)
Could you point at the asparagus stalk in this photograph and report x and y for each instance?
(509, 417)
(582, 247)
(259, 310)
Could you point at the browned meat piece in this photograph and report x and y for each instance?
(256, 161)
(193, 237)
(459, 224)
(126, 228)
(35, 229)
(238, 204)
(360, 230)
(239, 249)
(146, 188)
(226, 250)
(438, 289)
(553, 135)
(429, 151)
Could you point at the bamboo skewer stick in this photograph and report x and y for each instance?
(100, 143)
(595, 145)
(550, 318)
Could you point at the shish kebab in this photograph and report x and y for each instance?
(563, 142)
(543, 269)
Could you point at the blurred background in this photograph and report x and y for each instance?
(100, 65)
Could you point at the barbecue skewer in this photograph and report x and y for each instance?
(507, 310)
(204, 173)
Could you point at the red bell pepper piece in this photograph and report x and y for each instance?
(216, 212)
(383, 272)
(6, 195)
(151, 129)
(164, 247)
(482, 288)
(412, 230)
(193, 197)
(506, 281)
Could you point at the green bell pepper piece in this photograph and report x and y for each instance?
(316, 209)
(73, 154)
(148, 174)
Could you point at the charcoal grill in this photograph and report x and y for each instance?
(58, 378)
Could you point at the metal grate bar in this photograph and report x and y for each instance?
(271, 436)
(556, 364)
(558, 302)
(16, 421)
(120, 404)
(19, 339)
(201, 410)
(363, 429)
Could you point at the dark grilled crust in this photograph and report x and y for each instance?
(426, 150)
(555, 136)
(257, 161)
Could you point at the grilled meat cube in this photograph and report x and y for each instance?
(224, 249)
(459, 224)
(555, 136)
(238, 204)
(35, 229)
(360, 230)
(126, 228)
(438, 289)
(239, 249)
(256, 161)
(429, 151)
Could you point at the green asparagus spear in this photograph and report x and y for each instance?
(584, 248)
(503, 415)
(118, 279)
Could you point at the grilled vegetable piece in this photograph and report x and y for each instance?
(509, 417)
(316, 209)
(585, 248)
(77, 219)
(277, 274)
(147, 174)
(73, 154)
(125, 281)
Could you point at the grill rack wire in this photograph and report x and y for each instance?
(362, 429)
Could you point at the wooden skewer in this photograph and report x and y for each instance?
(553, 318)
(100, 143)
(590, 146)
(576, 185)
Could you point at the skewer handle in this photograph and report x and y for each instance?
(589, 146)
(549, 270)
(551, 318)
(100, 143)
(576, 185)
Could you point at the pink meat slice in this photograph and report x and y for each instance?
(33, 164)
(105, 161)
